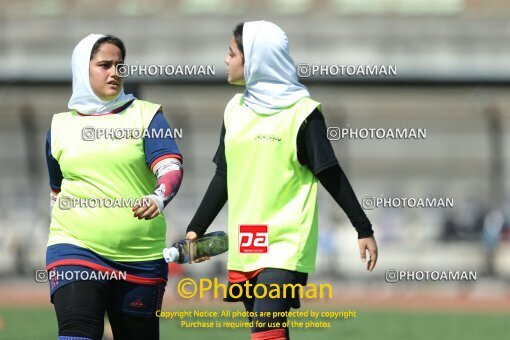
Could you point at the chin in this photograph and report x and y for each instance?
(110, 96)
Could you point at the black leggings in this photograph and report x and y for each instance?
(80, 308)
(265, 305)
(267, 277)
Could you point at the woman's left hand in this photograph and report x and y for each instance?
(146, 211)
(368, 244)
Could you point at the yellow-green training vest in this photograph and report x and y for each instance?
(267, 185)
(105, 169)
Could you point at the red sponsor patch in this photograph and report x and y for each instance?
(137, 304)
(253, 238)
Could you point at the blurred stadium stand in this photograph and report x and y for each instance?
(453, 79)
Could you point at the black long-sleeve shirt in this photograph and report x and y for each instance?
(314, 151)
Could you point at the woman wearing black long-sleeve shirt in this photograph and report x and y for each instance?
(273, 149)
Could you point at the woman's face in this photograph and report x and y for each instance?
(235, 64)
(103, 76)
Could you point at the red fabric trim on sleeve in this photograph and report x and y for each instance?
(160, 158)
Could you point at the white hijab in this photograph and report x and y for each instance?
(269, 71)
(84, 100)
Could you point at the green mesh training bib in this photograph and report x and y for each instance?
(110, 170)
(268, 186)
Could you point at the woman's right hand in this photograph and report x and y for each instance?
(191, 235)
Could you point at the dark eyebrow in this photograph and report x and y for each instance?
(111, 61)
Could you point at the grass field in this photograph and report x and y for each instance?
(40, 323)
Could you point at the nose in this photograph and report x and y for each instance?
(226, 60)
(113, 71)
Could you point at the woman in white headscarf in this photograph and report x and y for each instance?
(273, 150)
(111, 175)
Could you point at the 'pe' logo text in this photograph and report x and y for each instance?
(253, 238)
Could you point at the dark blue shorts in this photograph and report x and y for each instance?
(135, 288)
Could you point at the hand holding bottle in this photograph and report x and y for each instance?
(195, 249)
(192, 236)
